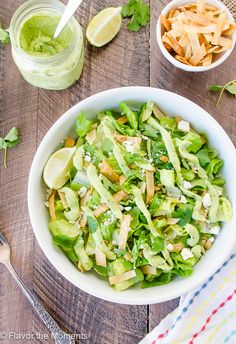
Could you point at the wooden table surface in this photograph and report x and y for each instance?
(131, 59)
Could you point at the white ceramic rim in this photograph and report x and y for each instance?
(189, 283)
(178, 64)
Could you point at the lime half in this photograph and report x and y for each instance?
(56, 170)
(104, 26)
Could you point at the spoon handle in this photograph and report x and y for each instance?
(70, 9)
(58, 335)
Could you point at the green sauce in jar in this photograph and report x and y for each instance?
(53, 64)
(36, 36)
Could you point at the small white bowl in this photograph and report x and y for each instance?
(160, 31)
(172, 104)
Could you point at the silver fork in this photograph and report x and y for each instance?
(58, 335)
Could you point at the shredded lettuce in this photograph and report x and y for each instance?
(105, 195)
(169, 146)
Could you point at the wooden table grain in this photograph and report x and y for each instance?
(131, 59)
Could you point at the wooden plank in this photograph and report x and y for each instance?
(193, 86)
(122, 63)
(18, 107)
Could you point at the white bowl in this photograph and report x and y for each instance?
(160, 31)
(172, 104)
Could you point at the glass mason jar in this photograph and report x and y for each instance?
(55, 72)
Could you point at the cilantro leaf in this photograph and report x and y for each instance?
(9, 141)
(229, 87)
(139, 13)
(12, 138)
(215, 88)
(82, 125)
(4, 36)
(158, 244)
(184, 213)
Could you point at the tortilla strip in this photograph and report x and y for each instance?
(194, 42)
(177, 48)
(225, 42)
(198, 55)
(208, 37)
(220, 50)
(167, 46)
(182, 59)
(201, 6)
(184, 40)
(230, 30)
(63, 199)
(219, 28)
(119, 196)
(197, 18)
(212, 49)
(124, 230)
(207, 60)
(51, 203)
(165, 22)
(203, 29)
(172, 14)
(122, 119)
(150, 186)
(188, 52)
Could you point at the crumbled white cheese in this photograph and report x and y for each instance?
(214, 230)
(186, 253)
(184, 126)
(206, 200)
(151, 161)
(211, 239)
(87, 158)
(183, 199)
(169, 247)
(187, 185)
(82, 191)
(128, 208)
(128, 145)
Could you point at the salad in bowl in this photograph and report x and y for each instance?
(135, 196)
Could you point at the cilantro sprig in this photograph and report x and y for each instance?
(138, 12)
(230, 87)
(4, 36)
(9, 141)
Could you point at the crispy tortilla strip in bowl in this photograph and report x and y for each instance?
(206, 61)
(177, 48)
(198, 55)
(201, 6)
(196, 36)
(219, 28)
(182, 59)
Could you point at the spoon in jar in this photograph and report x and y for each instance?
(70, 9)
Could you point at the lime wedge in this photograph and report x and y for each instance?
(104, 26)
(56, 170)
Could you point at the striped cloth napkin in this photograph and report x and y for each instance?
(206, 315)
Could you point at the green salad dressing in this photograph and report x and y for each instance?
(36, 36)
